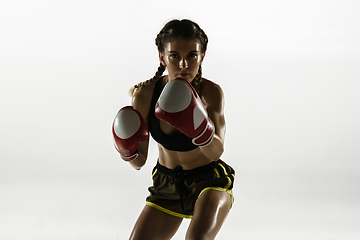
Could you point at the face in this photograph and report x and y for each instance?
(182, 59)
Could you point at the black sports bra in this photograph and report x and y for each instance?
(179, 142)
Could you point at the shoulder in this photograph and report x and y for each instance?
(143, 93)
(211, 93)
(141, 99)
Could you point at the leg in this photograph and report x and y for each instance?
(154, 224)
(210, 212)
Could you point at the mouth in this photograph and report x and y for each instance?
(183, 75)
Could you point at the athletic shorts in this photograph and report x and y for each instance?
(175, 191)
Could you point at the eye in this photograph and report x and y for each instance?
(174, 55)
(193, 55)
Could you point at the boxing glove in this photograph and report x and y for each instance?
(180, 105)
(129, 129)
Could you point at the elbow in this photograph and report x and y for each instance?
(221, 151)
(214, 154)
(214, 150)
(218, 153)
(136, 165)
(138, 162)
(137, 168)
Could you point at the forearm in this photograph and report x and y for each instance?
(138, 162)
(215, 149)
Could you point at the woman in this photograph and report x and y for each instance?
(185, 115)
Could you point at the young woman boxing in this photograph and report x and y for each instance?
(184, 114)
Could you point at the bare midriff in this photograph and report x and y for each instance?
(187, 160)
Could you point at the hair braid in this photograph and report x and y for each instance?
(157, 76)
(196, 83)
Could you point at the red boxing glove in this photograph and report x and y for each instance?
(129, 129)
(180, 105)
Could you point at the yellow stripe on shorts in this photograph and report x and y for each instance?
(168, 211)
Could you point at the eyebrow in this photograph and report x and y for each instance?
(194, 51)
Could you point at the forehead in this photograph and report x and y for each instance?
(182, 45)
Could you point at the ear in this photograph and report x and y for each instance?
(162, 58)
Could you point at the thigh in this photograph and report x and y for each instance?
(210, 212)
(154, 224)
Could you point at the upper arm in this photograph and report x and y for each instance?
(141, 101)
(214, 101)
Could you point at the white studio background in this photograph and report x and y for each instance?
(290, 74)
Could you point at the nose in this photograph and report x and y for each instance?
(183, 64)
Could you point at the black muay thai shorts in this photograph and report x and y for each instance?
(175, 191)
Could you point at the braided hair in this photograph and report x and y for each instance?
(177, 29)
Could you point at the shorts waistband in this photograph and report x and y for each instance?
(179, 171)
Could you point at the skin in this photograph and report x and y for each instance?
(182, 58)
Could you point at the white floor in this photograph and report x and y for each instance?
(104, 211)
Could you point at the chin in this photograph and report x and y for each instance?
(186, 78)
(189, 79)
